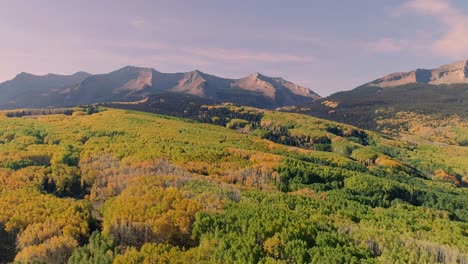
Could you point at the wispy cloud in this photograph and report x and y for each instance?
(70, 52)
(386, 45)
(145, 45)
(137, 22)
(207, 55)
(454, 41)
(235, 55)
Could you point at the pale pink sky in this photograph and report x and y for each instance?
(324, 45)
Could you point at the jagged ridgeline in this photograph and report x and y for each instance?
(223, 184)
(135, 83)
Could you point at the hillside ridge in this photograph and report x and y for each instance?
(132, 83)
(447, 74)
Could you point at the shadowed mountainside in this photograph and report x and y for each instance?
(28, 90)
(135, 83)
(431, 104)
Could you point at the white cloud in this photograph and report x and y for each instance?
(453, 42)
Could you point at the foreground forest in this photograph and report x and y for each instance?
(228, 184)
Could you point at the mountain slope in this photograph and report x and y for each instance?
(446, 74)
(28, 90)
(418, 103)
(135, 83)
(117, 85)
(276, 89)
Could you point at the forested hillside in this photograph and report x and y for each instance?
(228, 184)
(414, 112)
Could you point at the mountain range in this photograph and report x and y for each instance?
(28, 90)
(427, 104)
(443, 90)
(446, 74)
(135, 83)
(437, 91)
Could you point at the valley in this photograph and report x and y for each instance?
(137, 166)
(234, 132)
(142, 183)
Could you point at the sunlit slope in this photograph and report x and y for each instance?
(312, 133)
(417, 112)
(252, 186)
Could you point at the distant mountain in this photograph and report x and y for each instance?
(447, 74)
(28, 90)
(135, 83)
(435, 101)
(439, 91)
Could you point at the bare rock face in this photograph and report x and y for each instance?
(447, 74)
(274, 88)
(256, 83)
(135, 83)
(192, 83)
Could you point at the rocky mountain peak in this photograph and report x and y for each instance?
(447, 74)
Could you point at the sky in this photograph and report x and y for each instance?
(327, 46)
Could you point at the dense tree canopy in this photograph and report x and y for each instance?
(237, 185)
